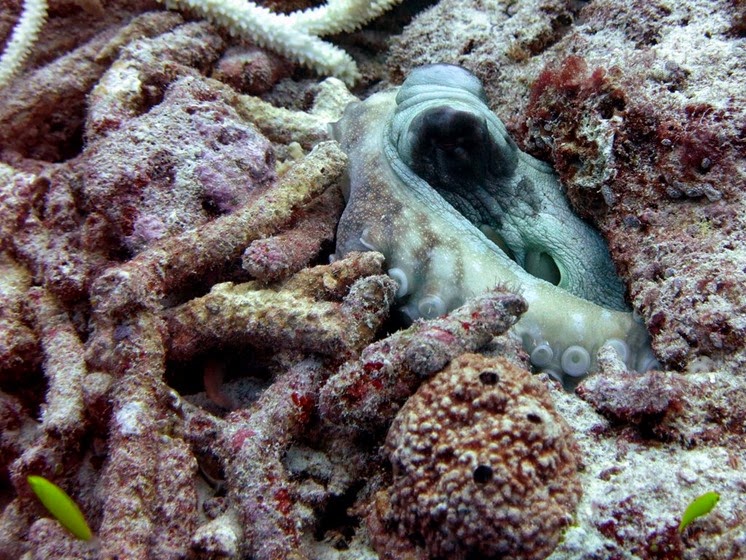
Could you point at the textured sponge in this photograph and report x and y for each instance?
(483, 467)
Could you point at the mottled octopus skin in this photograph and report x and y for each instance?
(445, 133)
(441, 256)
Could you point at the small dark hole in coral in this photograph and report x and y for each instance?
(488, 377)
(336, 525)
(606, 111)
(482, 474)
(210, 207)
(534, 418)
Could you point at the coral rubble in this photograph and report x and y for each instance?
(183, 355)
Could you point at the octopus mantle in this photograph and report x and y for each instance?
(438, 186)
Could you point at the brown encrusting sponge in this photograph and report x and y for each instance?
(483, 467)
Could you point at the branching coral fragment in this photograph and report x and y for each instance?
(366, 393)
(179, 259)
(307, 129)
(294, 35)
(24, 36)
(254, 445)
(64, 366)
(235, 315)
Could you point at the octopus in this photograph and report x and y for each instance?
(436, 185)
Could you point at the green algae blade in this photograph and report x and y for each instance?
(700, 506)
(61, 506)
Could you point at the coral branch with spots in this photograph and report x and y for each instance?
(19, 345)
(251, 445)
(235, 315)
(147, 506)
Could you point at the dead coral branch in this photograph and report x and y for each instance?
(239, 315)
(367, 392)
(176, 261)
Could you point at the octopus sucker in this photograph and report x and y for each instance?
(402, 281)
(458, 209)
(620, 347)
(542, 355)
(575, 361)
(367, 242)
(431, 306)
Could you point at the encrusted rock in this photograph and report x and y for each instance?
(483, 467)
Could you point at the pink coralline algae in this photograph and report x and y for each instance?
(191, 154)
(483, 466)
(673, 249)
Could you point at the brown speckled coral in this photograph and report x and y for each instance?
(483, 466)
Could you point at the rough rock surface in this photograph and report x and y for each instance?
(638, 481)
(188, 159)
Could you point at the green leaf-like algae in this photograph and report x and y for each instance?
(700, 506)
(61, 506)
